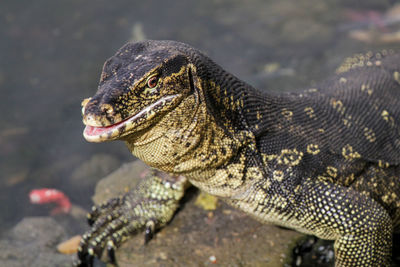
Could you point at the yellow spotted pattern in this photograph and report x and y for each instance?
(349, 154)
(313, 149)
(290, 157)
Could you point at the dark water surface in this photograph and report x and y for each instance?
(51, 54)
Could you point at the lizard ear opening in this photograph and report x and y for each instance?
(191, 81)
(195, 84)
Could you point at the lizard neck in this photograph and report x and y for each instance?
(235, 105)
(185, 140)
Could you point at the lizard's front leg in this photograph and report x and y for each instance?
(361, 228)
(149, 206)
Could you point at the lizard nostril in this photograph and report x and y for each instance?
(107, 109)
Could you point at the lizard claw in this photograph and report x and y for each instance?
(149, 232)
(111, 252)
(84, 260)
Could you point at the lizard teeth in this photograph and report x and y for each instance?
(100, 134)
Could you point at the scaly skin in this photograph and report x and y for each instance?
(324, 161)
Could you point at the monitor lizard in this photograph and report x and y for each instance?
(323, 161)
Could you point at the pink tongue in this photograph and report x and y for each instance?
(91, 130)
(94, 131)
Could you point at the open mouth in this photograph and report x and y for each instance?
(95, 134)
(100, 134)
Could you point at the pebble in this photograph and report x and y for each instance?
(70, 246)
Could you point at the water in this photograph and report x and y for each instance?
(51, 54)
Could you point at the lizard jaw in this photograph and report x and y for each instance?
(97, 134)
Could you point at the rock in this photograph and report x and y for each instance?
(194, 238)
(32, 242)
(69, 246)
(119, 181)
(90, 171)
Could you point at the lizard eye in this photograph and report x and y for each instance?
(152, 81)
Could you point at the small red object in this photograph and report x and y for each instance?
(49, 195)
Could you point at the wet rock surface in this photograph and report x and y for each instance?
(32, 242)
(224, 237)
(89, 172)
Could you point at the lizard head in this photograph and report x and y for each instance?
(139, 85)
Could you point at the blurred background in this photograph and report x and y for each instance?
(52, 52)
